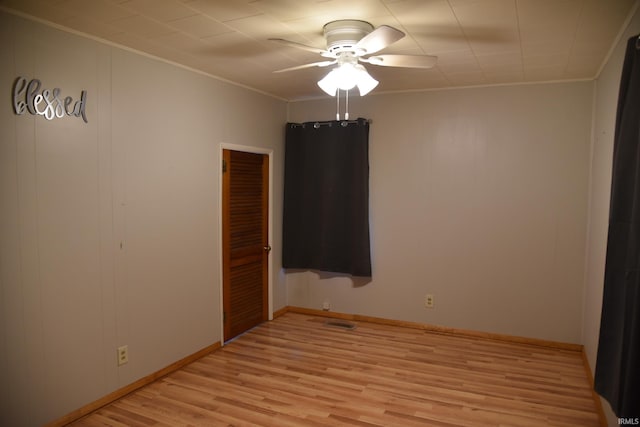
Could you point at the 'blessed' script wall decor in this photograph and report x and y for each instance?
(27, 97)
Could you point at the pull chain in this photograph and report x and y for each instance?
(346, 114)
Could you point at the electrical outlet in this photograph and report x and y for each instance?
(429, 301)
(123, 355)
(326, 305)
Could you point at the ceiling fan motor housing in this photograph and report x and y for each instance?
(343, 35)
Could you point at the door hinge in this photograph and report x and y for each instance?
(224, 165)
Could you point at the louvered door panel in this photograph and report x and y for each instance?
(244, 241)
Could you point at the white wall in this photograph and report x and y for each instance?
(144, 172)
(477, 196)
(605, 108)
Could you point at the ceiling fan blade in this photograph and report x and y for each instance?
(299, 46)
(406, 61)
(379, 38)
(313, 64)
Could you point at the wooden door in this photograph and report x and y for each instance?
(245, 240)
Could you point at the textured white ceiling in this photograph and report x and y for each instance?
(478, 42)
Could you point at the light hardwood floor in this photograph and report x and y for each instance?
(296, 371)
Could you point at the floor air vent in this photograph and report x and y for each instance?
(340, 324)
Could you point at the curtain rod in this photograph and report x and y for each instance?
(343, 123)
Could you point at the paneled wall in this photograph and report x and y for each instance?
(109, 229)
(487, 198)
(479, 197)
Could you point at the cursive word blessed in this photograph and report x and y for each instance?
(48, 103)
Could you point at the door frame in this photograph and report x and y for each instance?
(255, 150)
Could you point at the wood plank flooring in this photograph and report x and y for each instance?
(296, 371)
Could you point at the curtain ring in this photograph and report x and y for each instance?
(344, 124)
(316, 125)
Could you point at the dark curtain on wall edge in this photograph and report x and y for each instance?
(326, 197)
(617, 376)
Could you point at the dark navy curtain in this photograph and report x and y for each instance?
(326, 197)
(617, 377)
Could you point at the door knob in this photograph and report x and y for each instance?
(267, 248)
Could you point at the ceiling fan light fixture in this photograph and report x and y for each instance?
(347, 76)
(329, 84)
(366, 83)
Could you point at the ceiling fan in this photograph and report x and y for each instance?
(350, 42)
